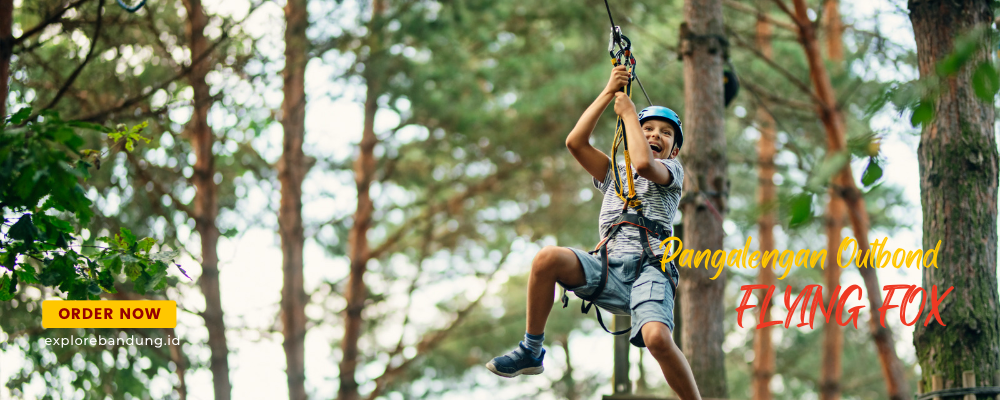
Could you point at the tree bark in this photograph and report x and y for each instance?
(836, 216)
(843, 184)
(834, 31)
(6, 49)
(360, 252)
(206, 206)
(833, 335)
(704, 159)
(177, 356)
(958, 192)
(767, 199)
(292, 170)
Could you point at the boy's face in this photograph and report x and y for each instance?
(660, 136)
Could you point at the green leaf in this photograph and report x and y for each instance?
(106, 281)
(872, 173)
(923, 113)
(62, 240)
(128, 237)
(132, 270)
(62, 135)
(825, 171)
(27, 274)
(77, 290)
(800, 208)
(146, 244)
(8, 259)
(5, 285)
(24, 230)
(94, 288)
(109, 241)
(114, 264)
(879, 102)
(20, 116)
(156, 272)
(164, 255)
(965, 48)
(139, 284)
(985, 81)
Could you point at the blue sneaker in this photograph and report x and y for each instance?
(517, 362)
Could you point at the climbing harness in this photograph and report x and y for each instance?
(625, 187)
(647, 228)
(131, 9)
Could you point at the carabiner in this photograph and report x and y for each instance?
(131, 9)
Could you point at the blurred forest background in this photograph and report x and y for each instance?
(357, 188)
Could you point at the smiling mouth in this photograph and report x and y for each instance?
(655, 148)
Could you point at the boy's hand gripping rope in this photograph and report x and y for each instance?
(623, 56)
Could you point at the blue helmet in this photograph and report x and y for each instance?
(667, 115)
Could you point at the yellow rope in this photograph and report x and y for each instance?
(619, 139)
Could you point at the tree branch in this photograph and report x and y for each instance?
(760, 14)
(101, 115)
(788, 75)
(48, 21)
(431, 340)
(763, 93)
(90, 54)
(145, 177)
(407, 226)
(784, 8)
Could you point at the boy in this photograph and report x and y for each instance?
(644, 291)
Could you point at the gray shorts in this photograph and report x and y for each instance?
(650, 298)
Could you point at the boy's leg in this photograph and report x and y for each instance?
(675, 367)
(551, 264)
(652, 303)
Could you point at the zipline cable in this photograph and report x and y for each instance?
(609, 13)
(643, 91)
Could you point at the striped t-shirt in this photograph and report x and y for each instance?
(659, 204)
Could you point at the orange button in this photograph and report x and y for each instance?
(109, 314)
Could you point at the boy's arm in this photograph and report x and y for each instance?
(639, 152)
(578, 142)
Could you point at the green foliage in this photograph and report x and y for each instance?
(43, 201)
(872, 172)
(130, 136)
(800, 209)
(923, 112)
(965, 49)
(986, 81)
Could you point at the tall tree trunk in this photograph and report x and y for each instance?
(843, 183)
(834, 31)
(291, 171)
(704, 158)
(6, 49)
(833, 335)
(180, 364)
(767, 198)
(206, 201)
(958, 191)
(836, 216)
(360, 252)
